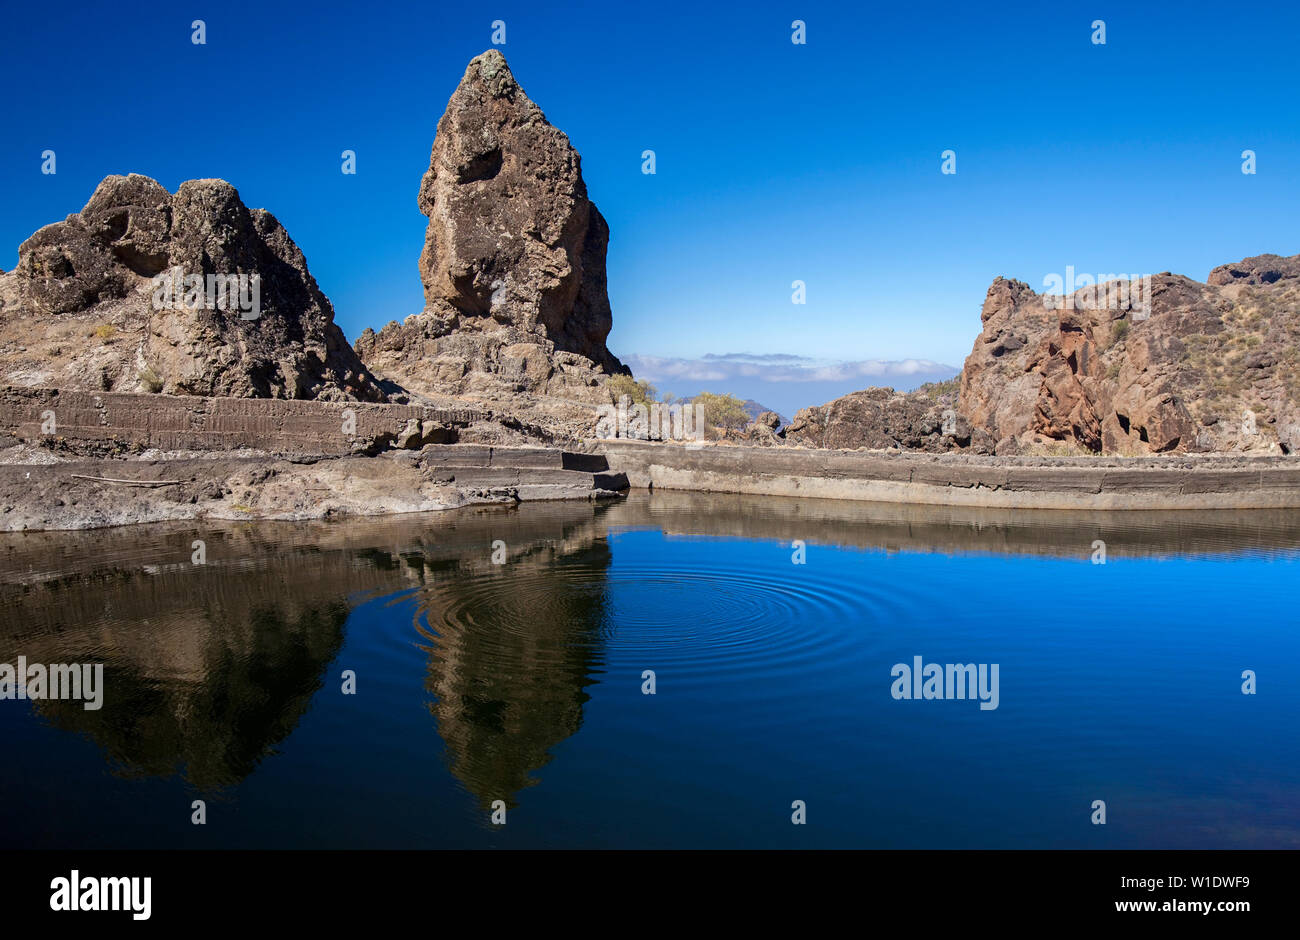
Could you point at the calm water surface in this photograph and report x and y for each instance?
(522, 682)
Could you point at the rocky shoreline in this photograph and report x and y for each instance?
(118, 459)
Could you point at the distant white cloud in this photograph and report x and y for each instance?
(782, 382)
(782, 367)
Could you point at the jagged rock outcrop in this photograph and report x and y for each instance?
(83, 309)
(514, 258)
(1196, 368)
(1125, 368)
(881, 418)
(1261, 269)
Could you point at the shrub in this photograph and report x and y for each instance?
(105, 331)
(641, 393)
(937, 390)
(149, 379)
(722, 411)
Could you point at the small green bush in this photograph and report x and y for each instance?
(640, 393)
(722, 411)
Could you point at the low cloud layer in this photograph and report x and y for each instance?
(783, 381)
(779, 367)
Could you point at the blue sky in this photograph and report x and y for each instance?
(776, 162)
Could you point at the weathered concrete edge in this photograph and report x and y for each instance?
(900, 479)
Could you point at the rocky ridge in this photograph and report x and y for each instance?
(882, 418)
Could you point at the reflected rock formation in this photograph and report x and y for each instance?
(512, 649)
(206, 667)
(253, 681)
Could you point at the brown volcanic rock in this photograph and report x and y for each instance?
(79, 310)
(1211, 367)
(1261, 269)
(514, 258)
(881, 418)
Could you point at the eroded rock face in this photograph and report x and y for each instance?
(514, 258)
(1172, 366)
(81, 310)
(1201, 367)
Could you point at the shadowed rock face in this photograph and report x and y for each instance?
(1213, 367)
(514, 257)
(80, 309)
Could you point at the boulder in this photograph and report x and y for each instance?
(1261, 269)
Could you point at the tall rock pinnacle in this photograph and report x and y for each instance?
(513, 265)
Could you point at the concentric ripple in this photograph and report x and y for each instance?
(731, 622)
(739, 623)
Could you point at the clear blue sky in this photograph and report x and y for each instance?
(776, 162)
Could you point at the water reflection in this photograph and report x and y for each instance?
(512, 648)
(242, 691)
(209, 668)
(963, 530)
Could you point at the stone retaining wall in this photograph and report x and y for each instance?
(193, 423)
(964, 480)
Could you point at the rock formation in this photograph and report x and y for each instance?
(514, 258)
(1168, 366)
(1261, 269)
(1198, 368)
(881, 418)
(84, 309)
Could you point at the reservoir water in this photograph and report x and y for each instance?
(501, 657)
